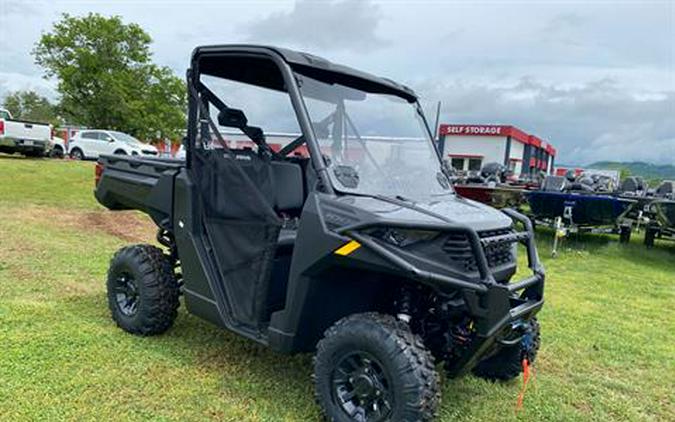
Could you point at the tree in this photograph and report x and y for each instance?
(29, 105)
(106, 78)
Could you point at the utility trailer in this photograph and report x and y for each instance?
(372, 263)
(661, 225)
(566, 208)
(652, 209)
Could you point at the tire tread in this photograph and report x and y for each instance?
(420, 362)
(159, 289)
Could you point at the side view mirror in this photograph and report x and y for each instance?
(232, 117)
(109, 139)
(254, 133)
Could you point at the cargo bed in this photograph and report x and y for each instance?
(145, 184)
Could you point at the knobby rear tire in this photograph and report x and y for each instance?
(155, 285)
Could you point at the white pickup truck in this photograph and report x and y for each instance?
(28, 138)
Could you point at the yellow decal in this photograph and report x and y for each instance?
(348, 248)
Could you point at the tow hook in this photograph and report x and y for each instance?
(527, 343)
(523, 335)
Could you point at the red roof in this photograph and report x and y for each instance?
(496, 130)
(483, 130)
(533, 140)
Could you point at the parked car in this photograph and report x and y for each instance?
(28, 138)
(94, 143)
(58, 147)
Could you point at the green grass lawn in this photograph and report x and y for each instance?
(608, 329)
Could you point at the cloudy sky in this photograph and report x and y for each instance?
(595, 78)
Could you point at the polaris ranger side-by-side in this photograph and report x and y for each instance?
(358, 249)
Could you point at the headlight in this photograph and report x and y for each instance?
(335, 220)
(402, 237)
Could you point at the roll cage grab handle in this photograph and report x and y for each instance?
(297, 102)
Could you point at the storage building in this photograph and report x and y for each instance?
(468, 147)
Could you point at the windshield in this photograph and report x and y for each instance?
(123, 137)
(375, 144)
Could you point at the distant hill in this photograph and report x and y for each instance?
(638, 168)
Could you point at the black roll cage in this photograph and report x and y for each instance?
(193, 77)
(291, 86)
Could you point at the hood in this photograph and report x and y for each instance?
(450, 208)
(142, 146)
(58, 141)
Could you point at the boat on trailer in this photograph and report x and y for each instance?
(578, 209)
(497, 196)
(663, 224)
(650, 209)
(579, 205)
(493, 186)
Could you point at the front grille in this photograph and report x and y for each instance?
(458, 250)
(500, 253)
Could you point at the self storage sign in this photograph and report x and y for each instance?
(486, 130)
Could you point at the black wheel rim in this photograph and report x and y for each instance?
(126, 294)
(361, 388)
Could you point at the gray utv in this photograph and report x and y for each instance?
(343, 242)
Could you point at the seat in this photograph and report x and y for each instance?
(257, 170)
(282, 184)
(667, 187)
(288, 187)
(554, 184)
(288, 196)
(287, 238)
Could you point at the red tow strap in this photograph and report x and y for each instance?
(526, 379)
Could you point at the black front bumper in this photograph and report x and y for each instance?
(493, 306)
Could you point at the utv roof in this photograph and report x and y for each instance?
(213, 60)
